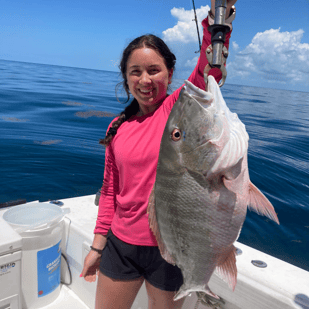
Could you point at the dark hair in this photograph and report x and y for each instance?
(150, 41)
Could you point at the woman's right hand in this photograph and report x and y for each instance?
(91, 266)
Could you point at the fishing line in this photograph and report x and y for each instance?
(197, 29)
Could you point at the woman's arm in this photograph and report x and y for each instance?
(109, 190)
(197, 76)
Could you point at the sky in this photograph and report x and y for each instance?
(269, 46)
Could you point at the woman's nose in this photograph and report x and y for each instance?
(145, 79)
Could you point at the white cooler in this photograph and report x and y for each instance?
(10, 267)
(40, 226)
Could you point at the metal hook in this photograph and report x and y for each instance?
(225, 54)
(206, 71)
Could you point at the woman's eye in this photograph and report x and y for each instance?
(154, 71)
(134, 72)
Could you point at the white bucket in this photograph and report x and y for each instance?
(40, 225)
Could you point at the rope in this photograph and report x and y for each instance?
(208, 301)
(198, 302)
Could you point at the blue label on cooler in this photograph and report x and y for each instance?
(48, 261)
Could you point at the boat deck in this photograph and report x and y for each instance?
(67, 299)
(278, 286)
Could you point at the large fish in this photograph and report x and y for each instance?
(202, 189)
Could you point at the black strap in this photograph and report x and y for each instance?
(96, 250)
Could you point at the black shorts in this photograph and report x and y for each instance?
(121, 260)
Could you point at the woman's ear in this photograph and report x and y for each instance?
(170, 75)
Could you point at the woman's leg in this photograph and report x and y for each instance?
(116, 294)
(159, 299)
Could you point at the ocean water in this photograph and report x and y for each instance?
(52, 117)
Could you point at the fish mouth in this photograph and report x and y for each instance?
(204, 98)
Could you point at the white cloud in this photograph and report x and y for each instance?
(271, 57)
(183, 39)
(185, 29)
(191, 63)
(115, 63)
(275, 56)
(235, 46)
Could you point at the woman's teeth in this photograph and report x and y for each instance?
(145, 91)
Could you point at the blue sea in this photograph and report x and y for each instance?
(52, 117)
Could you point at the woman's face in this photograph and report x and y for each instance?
(148, 78)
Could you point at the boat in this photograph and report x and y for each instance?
(263, 281)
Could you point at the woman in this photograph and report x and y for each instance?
(131, 256)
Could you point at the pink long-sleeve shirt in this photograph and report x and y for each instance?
(131, 162)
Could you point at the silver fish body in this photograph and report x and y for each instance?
(202, 189)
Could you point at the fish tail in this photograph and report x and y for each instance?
(186, 291)
(259, 203)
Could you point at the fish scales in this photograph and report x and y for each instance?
(202, 189)
(187, 229)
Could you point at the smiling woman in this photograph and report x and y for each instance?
(147, 67)
(125, 251)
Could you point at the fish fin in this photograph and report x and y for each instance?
(207, 291)
(181, 293)
(236, 176)
(152, 219)
(227, 268)
(232, 185)
(184, 292)
(259, 203)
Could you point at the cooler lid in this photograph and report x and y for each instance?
(10, 240)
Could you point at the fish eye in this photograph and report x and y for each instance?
(176, 135)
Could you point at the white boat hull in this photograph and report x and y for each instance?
(278, 286)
